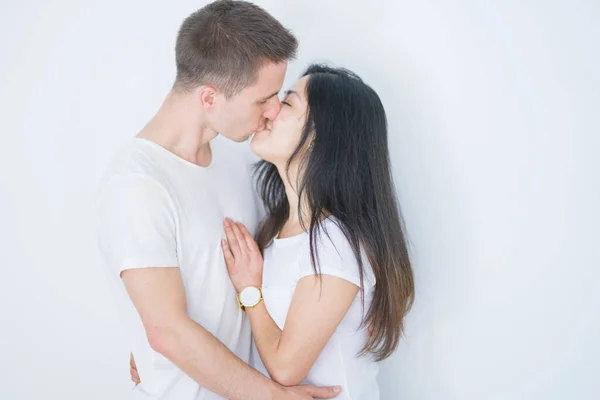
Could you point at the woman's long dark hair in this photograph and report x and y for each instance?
(347, 175)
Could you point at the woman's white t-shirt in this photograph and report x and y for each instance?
(288, 260)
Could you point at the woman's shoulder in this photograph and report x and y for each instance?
(335, 252)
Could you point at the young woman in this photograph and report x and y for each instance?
(330, 259)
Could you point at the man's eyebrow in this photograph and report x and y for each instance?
(268, 97)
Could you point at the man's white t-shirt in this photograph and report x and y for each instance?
(288, 260)
(159, 210)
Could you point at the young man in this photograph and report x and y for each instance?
(163, 200)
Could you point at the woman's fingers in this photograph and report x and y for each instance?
(250, 242)
(229, 259)
(234, 245)
(135, 377)
(240, 237)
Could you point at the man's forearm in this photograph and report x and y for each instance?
(210, 363)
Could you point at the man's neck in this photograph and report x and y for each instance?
(179, 127)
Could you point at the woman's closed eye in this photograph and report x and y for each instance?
(286, 103)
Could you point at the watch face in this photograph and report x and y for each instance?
(250, 296)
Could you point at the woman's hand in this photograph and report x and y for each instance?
(135, 377)
(242, 256)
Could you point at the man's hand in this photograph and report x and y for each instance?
(310, 392)
(159, 297)
(135, 377)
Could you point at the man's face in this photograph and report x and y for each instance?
(246, 113)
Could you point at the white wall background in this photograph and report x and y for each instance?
(494, 124)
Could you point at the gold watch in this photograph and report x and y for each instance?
(249, 297)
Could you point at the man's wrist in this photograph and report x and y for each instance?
(277, 392)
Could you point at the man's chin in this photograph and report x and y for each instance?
(252, 135)
(238, 139)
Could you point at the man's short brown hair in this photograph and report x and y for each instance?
(225, 43)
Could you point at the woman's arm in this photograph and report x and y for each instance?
(318, 306)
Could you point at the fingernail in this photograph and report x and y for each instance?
(337, 389)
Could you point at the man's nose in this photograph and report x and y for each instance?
(273, 109)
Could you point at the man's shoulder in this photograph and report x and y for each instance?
(134, 157)
(135, 161)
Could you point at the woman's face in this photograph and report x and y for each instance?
(277, 142)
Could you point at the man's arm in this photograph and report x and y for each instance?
(136, 233)
(159, 297)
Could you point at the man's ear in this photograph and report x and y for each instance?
(207, 96)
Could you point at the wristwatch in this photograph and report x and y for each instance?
(249, 297)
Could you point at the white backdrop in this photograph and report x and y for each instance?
(494, 121)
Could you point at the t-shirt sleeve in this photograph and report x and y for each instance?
(137, 224)
(335, 257)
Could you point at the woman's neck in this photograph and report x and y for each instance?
(298, 220)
